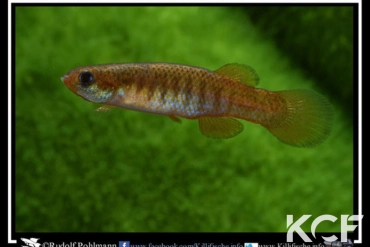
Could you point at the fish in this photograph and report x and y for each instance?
(217, 99)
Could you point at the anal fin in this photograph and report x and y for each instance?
(219, 127)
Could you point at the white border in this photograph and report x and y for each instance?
(10, 126)
(188, 1)
(358, 241)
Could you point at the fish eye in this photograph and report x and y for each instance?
(86, 78)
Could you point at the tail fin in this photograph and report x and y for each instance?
(307, 121)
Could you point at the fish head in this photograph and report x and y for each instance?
(92, 83)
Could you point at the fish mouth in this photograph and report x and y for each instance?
(63, 78)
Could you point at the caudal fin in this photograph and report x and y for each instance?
(307, 119)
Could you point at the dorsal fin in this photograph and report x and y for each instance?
(241, 73)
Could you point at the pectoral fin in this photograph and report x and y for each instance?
(104, 108)
(220, 128)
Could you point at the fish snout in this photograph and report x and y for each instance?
(63, 78)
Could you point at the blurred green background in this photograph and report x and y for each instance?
(125, 171)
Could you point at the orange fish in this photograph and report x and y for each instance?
(301, 118)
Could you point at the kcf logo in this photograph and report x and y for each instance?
(295, 227)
